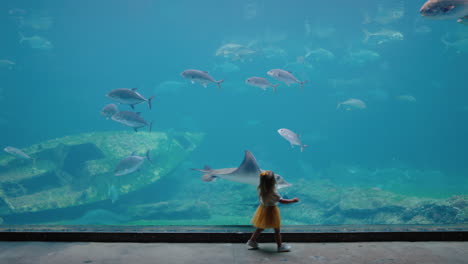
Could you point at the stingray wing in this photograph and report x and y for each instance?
(248, 166)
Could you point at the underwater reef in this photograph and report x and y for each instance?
(77, 170)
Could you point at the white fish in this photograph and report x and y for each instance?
(445, 9)
(352, 103)
(16, 153)
(285, 76)
(407, 98)
(36, 42)
(319, 55)
(128, 96)
(201, 77)
(131, 119)
(361, 57)
(382, 36)
(460, 45)
(261, 83)
(291, 137)
(109, 110)
(130, 164)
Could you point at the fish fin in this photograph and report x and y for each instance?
(133, 107)
(274, 87)
(248, 165)
(150, 126)
(192, 81)
(302, 83)
(134, 89)
(149, 101)
(338, 106)
(219, 84)
(302, 147)
(133, 153)
(204, 85)
(136, 130)
(208, 174)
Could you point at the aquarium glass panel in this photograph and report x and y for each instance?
(143, 113)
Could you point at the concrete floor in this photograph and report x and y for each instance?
(162, 253)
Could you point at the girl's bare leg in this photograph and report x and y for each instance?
(256, 234)
(278, 237)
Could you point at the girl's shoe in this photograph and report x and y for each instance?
(284, 248)
(252, 244)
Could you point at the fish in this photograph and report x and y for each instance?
(460, 45)
(292, 138)
(15, 152)
(235, 52)
(285, 76)
(128, 96)
(352, 103)
(445, 9)
(37, 42)
(248, 172)
(131, 119)
(130, 164)
(319, 55)
(7, 64)
(361, 57)
(407, 98)
(261, 83)
(382, 36)
(201, 77)
(109, 110)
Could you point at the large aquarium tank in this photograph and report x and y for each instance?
(156, 113)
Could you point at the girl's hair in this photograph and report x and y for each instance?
(267, 184)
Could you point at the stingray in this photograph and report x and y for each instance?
(248, 172)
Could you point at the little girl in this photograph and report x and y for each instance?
(267, 214)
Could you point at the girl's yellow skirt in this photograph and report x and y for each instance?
(266, 217)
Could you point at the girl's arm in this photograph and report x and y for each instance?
(288, 201)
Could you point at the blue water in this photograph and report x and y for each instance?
(103, 45)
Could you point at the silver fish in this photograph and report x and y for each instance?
(445, 9)
(109, 110)
(130, 164)
(382, 36)
(352, 103)
(248, 172)
(201, 77)
(261, 83)
(131, 119)
(291, 137)
(37, 42)
(16, 153)
(284, 76)
(128, 96)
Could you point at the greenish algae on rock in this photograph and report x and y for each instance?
(76, 170)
